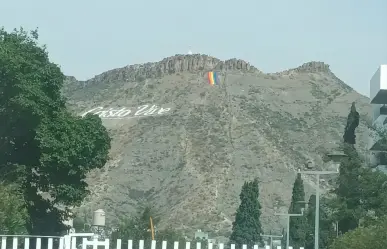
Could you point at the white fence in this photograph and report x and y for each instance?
(84, 242)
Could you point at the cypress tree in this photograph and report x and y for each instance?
(246, 228)
(326, 231)
(359, 189)
(310, 216)
(297, 225)
(348, 189)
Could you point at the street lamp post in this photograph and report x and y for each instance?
(271, 236)
(317, 217)
(287, 215)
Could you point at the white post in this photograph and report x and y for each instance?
(67, 242)
(3, 243)
(317, 216)
(287, 232)
(38, 243)
(73, 242)
(49, 243)
(27, 243)
(119, 243)
(95, 243)
(84, 243)
(14, 243)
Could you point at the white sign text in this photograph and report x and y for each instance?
(124, 113)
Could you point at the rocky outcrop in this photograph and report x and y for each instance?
(171, 65)
(236, 64)
(196, 63)
(313, 67)
(309, 67)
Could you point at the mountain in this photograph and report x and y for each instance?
(186, 147)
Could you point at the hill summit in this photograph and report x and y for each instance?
(186, 147)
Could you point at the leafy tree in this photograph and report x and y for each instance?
(81, 224)
(373, 194)
(137, 228)
(13, 215)
(50, 149)
(374, 237)
(349, 208)
(360, 191)
(246, 228)
(297, 224)
(326, 231)
(170, 235)
(349, 191)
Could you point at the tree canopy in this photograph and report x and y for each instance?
(247, 229)
(360, 201)
(137, 228)
(297, 225)
(374, 237)
(51, 149)
(13, 215)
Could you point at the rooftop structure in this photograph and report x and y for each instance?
(378, 100)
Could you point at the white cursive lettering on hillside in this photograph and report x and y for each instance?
(125, 113)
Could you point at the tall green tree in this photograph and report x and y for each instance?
(359, 190)
(348, 188)
(13, 215)
(247, 229)
(297, 224)
(51, 149)
(349, 191)
(326, 231)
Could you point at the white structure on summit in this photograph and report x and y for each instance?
(189, 52)
(378, 100)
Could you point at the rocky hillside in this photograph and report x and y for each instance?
(186, 147)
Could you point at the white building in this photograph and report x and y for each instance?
(378, 100)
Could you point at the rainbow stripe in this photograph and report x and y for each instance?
(213, 78)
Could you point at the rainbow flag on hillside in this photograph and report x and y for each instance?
(213, 78)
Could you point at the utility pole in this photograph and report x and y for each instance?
(287, 215)
(317, 217)
(271, 236)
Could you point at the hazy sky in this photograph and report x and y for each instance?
(89, 37)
